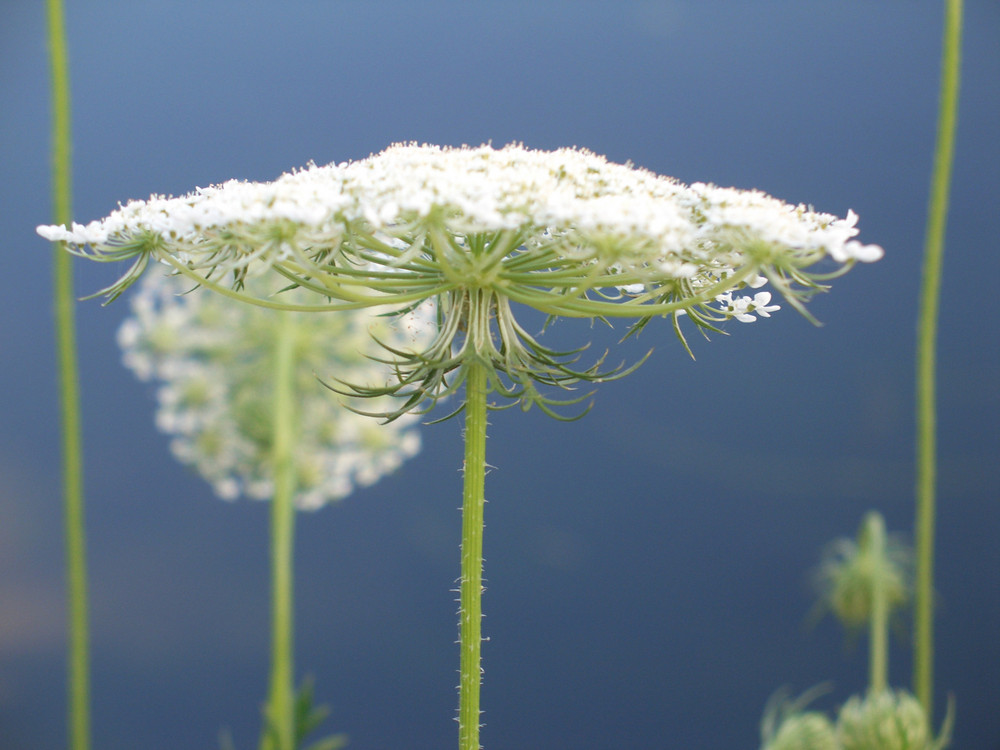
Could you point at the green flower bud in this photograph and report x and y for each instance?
(786, 726)
(886, 720)
(852, 571)
(809, 731)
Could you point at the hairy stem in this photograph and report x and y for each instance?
(471, 589)
(927, 355)
(69, 393)
(279, 733)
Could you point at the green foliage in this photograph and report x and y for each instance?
(308, 717)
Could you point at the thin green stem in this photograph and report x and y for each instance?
(69, 392)
(471, 589)
(927, 354)
(878, 655)
(279, 733)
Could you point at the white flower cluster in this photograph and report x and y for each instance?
(484, 233)
(214, 361)
(588, 204)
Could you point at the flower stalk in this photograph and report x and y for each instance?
(279, 732)
(471, 586)
(78, 681)
(930, 293)
(873, 537)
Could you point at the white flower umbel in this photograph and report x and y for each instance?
(213, 360)
(483, 232)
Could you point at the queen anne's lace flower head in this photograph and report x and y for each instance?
(481, 229)
(213, 362)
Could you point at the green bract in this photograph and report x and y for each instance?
(482, 230)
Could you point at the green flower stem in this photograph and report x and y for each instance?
(878, 656)
(471, 590)
(279, 733)
(69, 392)
(923, 654)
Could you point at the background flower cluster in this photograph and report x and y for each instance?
(213, 361)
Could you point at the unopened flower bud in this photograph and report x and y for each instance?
(809, 731)
(786, 726)
(885, 720)
(852, 571)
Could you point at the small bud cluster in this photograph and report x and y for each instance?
(213, 361)
(887, 720)
(811, 730)
(880, 720)
(853, 569)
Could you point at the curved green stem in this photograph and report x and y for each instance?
(471, 589)
(279, 733)
(927, 354)
(69, 392)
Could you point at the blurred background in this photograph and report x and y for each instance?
(648, 566)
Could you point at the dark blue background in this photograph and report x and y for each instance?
(647, 566)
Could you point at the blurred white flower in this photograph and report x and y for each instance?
(212, 358)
